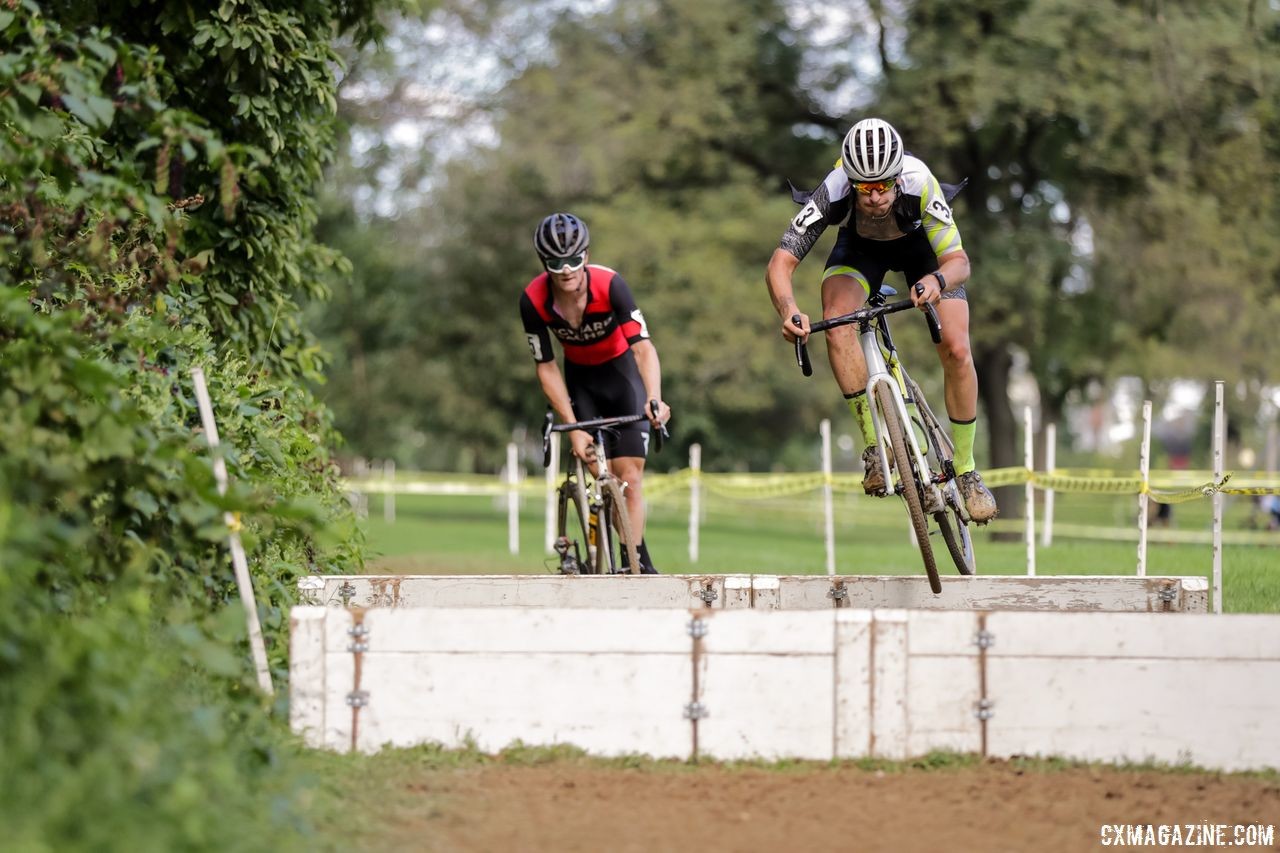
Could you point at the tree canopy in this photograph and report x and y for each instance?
(1120, 212)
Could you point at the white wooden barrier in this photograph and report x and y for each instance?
(763, 592)
(805, 684)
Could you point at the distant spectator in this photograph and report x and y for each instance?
(1271, 506)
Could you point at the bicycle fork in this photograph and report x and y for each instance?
(878, 373)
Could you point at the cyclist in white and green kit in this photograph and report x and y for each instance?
(893, 214)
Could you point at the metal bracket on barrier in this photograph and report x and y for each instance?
(696, 711)
(838, 592)
(346, 592)
(984, 709)
(708, 594)
(984, 639)
(1168, 593)
(698, 628)
(359, 632)
(358, 698)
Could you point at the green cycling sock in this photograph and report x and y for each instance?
(962, 433)
(862, 413)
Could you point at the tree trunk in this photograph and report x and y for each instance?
(993, 387)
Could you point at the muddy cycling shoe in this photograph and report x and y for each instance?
(873, 479)
(977, 497)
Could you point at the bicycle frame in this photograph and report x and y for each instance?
(890, 387)
(883, 368)
(595, 494)
(602, 491)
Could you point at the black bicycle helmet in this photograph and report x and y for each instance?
(561, 235)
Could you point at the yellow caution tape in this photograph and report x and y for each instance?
(1161, 486)
(656, 485)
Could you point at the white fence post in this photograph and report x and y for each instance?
(513, 500)
(1050, 460)
(553, 473)
(828, 511)
(695, 498)
(1219, 439)
(360, 468)
(389, 498)
(1031, 491)
(238, 560)
(1144, 500)
(1273, 444)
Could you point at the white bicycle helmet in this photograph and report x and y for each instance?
(561, 235)
(872, 151)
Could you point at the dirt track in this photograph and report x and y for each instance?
(994, 806)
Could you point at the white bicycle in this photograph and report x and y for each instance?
(922, 472)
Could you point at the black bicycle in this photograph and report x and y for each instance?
(592, 512)
(925, 475)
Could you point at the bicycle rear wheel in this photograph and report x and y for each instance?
(615, 535)
(951, 522)
(955, 532)
(910, 480)
(573, 543)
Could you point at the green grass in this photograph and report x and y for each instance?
(468, 535)
(405, 762)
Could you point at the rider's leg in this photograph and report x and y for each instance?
(959, 377)
(630, 469)
(844, 290)
(961, 391)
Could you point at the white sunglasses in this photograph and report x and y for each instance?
(573, 263)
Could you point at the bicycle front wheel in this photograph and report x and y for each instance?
(573, 542)
(615, 536)
(909, 478)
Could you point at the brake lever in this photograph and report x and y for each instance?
(802, 352)
(546, 439)
(931, 315)
(935, 323)
(663, 434)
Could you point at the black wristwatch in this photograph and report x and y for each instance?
(942, 282)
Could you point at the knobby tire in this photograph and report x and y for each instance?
(614, 508)
(573, 495)
(910, 485)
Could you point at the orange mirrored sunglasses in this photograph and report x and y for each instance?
(876, 186)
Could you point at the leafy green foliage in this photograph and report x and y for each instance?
(146, 229)
(669, 131)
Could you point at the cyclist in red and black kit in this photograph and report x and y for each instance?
(893, 214)
(611, 365)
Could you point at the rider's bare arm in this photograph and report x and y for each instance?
(651, 375)
(778, 276)
(954, 268)
(552, 382)
(799, 238)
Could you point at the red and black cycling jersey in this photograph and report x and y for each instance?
(610, 324)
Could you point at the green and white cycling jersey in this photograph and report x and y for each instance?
(922, 203)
